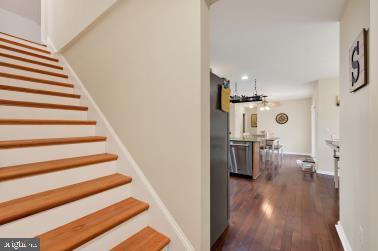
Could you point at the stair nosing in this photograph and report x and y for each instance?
(5, 102)
(9, 48)
(93, 223)
(46, 122)
(10, 35)
(125, 244)
(34, 70)
(24, 45)
(35, 80)
(11, 144)
(32, 169)
(18, 208)
(38, 91)
(58, 67)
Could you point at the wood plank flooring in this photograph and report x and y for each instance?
(283, 211)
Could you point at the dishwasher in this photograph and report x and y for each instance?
(241, 158)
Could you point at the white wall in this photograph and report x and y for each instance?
(205, 127)
(354, 135)
(145, 64)
(64, 20)
(373, 121)
(296, 133)
(232, 120)
(328, 121)
(14, 24)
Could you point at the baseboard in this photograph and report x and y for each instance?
(325, 172)
(295, 153)
(49, 43)
(343, 238)
(161, 215)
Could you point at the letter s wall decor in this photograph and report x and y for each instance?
(358, 62)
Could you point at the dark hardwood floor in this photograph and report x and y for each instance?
(282, 212)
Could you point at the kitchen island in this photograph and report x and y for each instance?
(245, 157)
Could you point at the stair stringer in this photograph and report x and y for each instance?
(159, 216)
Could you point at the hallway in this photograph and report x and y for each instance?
(284, 213)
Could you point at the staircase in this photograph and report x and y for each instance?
(58, 181)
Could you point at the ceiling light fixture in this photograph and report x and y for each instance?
(265, 108)
(245, 77)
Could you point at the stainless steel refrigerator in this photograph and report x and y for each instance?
(219, 173)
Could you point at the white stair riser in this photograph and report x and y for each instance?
(15, 112)
(21, 187)
(25, 96)
(18, 156)
(26, 49)
(19, 132)
(31, 65)
(64, 214)
(33, 85)
(118, 234)
(23, 42)
(32, 74)
(18, 54)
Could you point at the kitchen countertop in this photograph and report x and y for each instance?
(245, 139)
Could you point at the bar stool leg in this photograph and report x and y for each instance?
(266, 158)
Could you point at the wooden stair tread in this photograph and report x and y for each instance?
(9, 144)
(38, 91)
(31, 61)
(148, 239)
(25, 206)
(35, 80)
(46, 122)
(30, 69)
(23, 39)
(24, 45)
(42, 105)
(19, 171)
(78, 232)
(9, 48)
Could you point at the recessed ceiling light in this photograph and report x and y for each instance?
(245, 77)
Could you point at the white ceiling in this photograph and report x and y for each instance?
(30, 9)
(285, 44)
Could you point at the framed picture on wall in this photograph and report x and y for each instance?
(254, 120)
(358, 62)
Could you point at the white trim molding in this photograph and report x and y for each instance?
(294, 153)
(159, 213)
(343, 238)
(44, 21)
(325, 172)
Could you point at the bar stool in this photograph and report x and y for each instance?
(279, 150)
(269, 152)
(263, 150)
